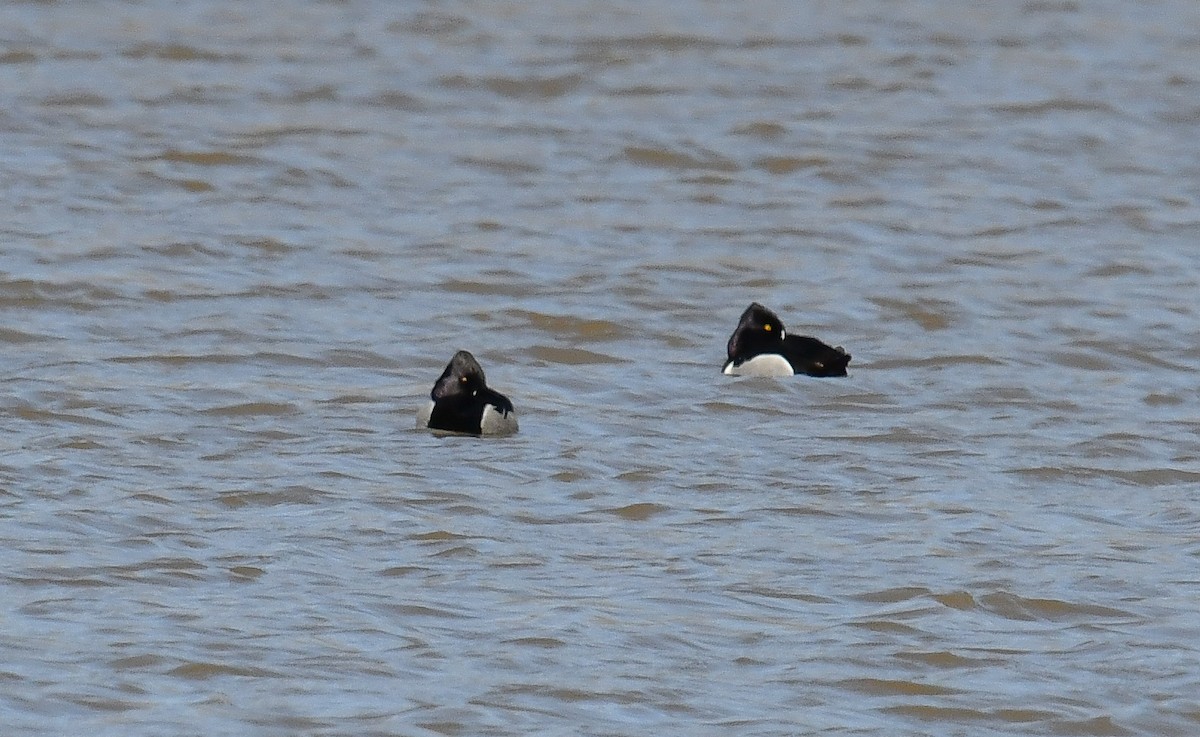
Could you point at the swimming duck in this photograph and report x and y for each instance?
(760, 346)
(462, 402)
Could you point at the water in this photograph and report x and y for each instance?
(242, 241)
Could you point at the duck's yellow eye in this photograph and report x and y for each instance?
(462, 379)
(768, 327)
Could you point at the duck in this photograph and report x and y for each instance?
(461, 402)
(760, 346)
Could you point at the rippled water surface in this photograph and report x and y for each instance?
(241, 240)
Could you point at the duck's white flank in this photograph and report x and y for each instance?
(495, 422)
(424, 413)
(767, 364)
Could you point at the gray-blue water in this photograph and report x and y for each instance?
(241, 241)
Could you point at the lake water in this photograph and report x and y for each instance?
(242, 240)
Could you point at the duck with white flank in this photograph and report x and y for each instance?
(463, 403)
(760, 346)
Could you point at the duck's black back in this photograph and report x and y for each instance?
(812, 357)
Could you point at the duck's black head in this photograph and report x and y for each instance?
(463, 377)
(758, 331)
